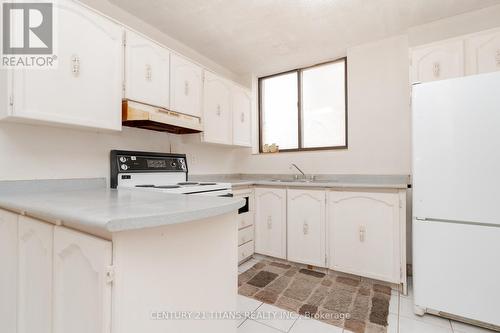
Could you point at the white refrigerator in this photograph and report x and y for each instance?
(456, 198)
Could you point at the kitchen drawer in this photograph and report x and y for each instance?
(245, 220)
(245, 235)
(245, 251)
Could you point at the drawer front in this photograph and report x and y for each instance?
(245, 235)
(245, 251)
(245, 220)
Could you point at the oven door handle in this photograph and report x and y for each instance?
(228, 195)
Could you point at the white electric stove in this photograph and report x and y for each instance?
(160, 172)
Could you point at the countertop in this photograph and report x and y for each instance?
(322, 181)
(101, 211)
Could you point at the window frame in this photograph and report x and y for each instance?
(299, 71)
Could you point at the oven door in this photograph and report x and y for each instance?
(217, 193)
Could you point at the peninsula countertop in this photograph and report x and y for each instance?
(100, 211)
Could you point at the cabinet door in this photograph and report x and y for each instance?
(82, 294)
(438, 61)
(242, 127)
(306, 227)
(482, 52)
(86, 87)
(8, 271)
(217, 110)
(363, 234)
(147, 71)
(35, 276)
(270, 222)
(185, 86)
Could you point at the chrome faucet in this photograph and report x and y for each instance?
(293, 165)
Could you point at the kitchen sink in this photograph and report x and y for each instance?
(303, 181)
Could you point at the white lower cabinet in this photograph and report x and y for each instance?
(364, 233)
(35, 245)
(270, 222)
(306, 226)
(8, 271)
(53, 279)
(82, 294)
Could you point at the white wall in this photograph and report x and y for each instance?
(378, 119)
(42, 152)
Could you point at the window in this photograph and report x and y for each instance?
(305, 109)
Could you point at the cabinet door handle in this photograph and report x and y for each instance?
(498, 58)
(362, 233)
(269, 222)
(75, 65)
(242, 117)
(436, 69)
(305, 228)
(186, 88)
(149, 72)
(218, 110)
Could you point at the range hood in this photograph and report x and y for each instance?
(153, 118)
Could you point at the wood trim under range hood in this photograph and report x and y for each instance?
(153, 118)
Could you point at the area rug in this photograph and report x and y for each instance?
(356, 304)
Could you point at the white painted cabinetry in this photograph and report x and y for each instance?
(364, 233)
(242, 108)
(482, 52)
(245, 224)
(8, 271)
(185, 86)
(438, 61)
(53, 279)
(217, 110)
(85, 90)
(82, 293)
(270, 222)
(35, 245)
(466, 55)
(147, 67)
(306, 226)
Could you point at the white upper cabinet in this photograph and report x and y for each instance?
(364, 234)
(8, 271)
(82, 292)
(185, 86)
(85, 89)
(242, 108)
(306, 226)
(270, 222)
(217, 117)
(147, 67)
(35, 276)
(482, 52)
(438, 61)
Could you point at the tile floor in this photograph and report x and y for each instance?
(401, 318)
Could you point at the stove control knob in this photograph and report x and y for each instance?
(173, 164)
(124, 167)
(123, 159)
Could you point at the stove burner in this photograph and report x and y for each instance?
(207, 183)
(167, 186)
(146, 185)
(188, 183)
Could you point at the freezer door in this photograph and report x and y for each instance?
(456, 149)
(457, 269)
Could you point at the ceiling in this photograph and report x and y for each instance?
(268, 36)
